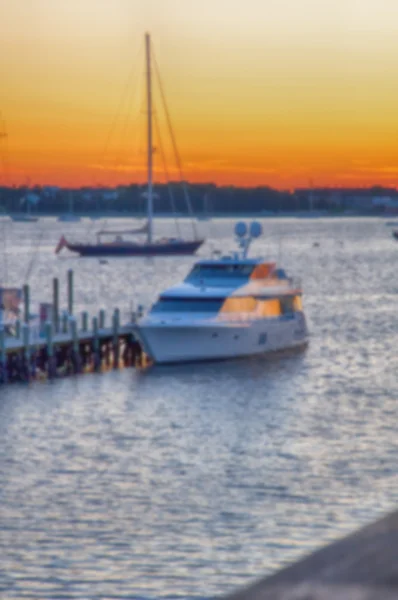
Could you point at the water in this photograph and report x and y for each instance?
(190, 481)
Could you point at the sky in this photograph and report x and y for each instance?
(286, 93)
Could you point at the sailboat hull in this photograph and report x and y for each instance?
(169, 248)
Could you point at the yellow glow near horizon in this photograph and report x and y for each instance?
(261, 92)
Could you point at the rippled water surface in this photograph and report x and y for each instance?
(191, 481)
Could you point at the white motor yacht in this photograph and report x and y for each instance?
(228, 307)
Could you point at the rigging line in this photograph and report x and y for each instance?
(166, 171)
(132, 99)
(174, 144)
(4, 148)
(119, 107)
(111, 131)
(5, 253)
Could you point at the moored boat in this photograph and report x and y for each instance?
(168, 247)
(228, 307)
(119, 246)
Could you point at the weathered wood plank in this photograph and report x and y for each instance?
(362, 566)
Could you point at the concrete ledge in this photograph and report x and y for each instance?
(362, 566)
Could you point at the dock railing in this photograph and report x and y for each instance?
(55, 338)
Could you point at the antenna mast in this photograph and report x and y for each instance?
(149, 135)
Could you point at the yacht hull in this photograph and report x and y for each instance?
(180, 343)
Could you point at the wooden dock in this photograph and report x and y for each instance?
(362, 566)
(65, 344)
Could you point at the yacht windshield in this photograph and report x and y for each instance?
(222, 270)
(203, 305)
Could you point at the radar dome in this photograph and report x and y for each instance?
(240, 229)
(255, 229)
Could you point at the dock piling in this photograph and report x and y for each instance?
(96, 345)
(26, 340)
(26, 351)
(56, 304)
(50, 349)
(26, 299)
(115, 337)
(70, 291)
(84, 321)
(101, 319)
(76, 363)
(3, 356)
(65, 323)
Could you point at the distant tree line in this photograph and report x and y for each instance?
(204, 199)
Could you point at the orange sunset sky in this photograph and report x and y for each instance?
(273, 92)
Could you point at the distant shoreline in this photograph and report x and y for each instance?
(205, 219)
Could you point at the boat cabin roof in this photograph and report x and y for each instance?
(229, 260)
(233, 277)
(186, 290)
(227, 269)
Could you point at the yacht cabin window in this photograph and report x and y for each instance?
(269, 308)
(298, 303)
(221, 270)
(263, 307)
(194, 305)
(287, 305)
(239, 305)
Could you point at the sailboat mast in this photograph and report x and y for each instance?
(149, 135)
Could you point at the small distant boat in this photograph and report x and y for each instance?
(24, 218)
(119, 246)
(69, 218)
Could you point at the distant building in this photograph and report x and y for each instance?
(386, 203)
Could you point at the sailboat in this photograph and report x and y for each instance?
(150, 247)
